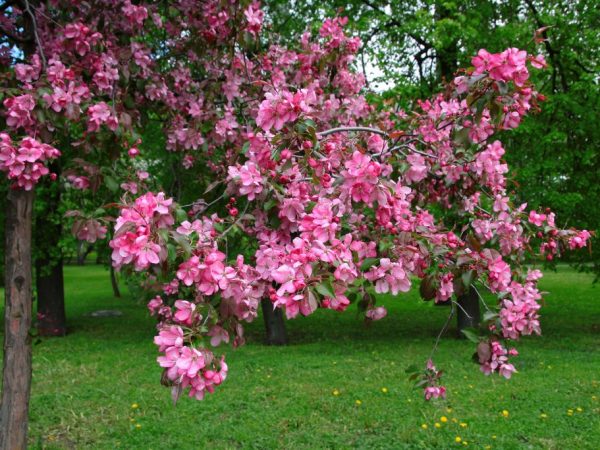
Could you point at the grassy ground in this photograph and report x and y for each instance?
(84, 385)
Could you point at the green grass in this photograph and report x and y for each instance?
(84, 384)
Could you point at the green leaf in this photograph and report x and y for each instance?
(489, 315)
(270, 204)
(368, 263)
(467, 278)
(325, 288)
(111, 183)
(471, 334)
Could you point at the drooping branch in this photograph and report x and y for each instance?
(35, 33)
(349, 129)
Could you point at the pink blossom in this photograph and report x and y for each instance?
(154, 305)
(135, 14)
(184, 312)
(19, 111)
(247, 178)
(254, 16)
(580, 240)
(537, 219)
(376, 313)
(99, 114)
(171, 336)
(25, 164)
(434, 392)
(218, 334)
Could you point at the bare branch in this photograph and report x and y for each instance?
(347, 129)
(35, 32)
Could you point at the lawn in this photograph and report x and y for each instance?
(99, 386)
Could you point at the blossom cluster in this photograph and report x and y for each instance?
(136, 240)
(26, 162)
(186, 366)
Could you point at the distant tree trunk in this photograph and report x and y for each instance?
(274, 324)
(114, 282)
(468, 312)
(446, 56)
(49, 262)
(16, 373)
(51, 319)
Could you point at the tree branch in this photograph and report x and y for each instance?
(35, 33)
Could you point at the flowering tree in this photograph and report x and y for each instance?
(343, 203)
(334, 200)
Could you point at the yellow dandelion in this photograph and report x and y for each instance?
(569, 412)
(458, 439)
(336, 392)
(384, 390)
(138, 426)
(494, 436)
(454, 419)
(505, 413)
(437, 425)
(424, 426)
(134, 406)
(579, 409)
(543, 415)
(463, 425)
(443, 419)
(358, 402)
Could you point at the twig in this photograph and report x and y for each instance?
(35, 33)
(235, 222)
(443, 330)
(481, 298)
(345, 129)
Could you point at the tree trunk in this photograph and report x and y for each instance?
(114, 282)
(274, 324)
(468, 313)
(51, 320)
(49, 262)
(446, 55)
(16, 374)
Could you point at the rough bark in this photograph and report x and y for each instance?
(274, 324)
(16, 373)
(468, 312)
